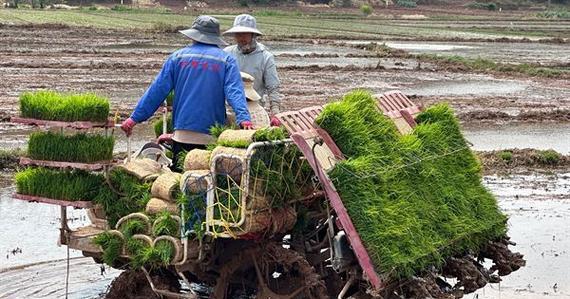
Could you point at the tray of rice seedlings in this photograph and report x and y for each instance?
(243, 138)
(53, 108)
(124, 192)
(91, 149)
(46, 183)
(415, 199)
(166, 186)
(166, 224)
(164, 251)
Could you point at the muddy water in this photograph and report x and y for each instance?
(539, 136)
(539, 209)
(538, 206)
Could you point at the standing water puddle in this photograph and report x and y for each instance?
(538, 136)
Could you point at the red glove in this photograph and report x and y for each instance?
(165, 138)
(246, 125)
(275, 122)
(128, 126)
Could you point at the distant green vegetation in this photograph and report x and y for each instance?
(555, 14)
(51, 105)
(277, 23)
(483, 5)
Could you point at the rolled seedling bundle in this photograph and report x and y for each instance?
(143, 169)
(197, 159)
(136, 244)
(257, 198)
(164, 251)
(236, 138)
(168, 242)
(230, 162)
(157, 205)
(166, 224)
(195, 181)
(81, 148)
(112, 244)
(135, 223)
(166, 186)
(270, 222)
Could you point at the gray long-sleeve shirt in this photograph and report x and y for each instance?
(261, 65)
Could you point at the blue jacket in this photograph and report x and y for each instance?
(203, 77)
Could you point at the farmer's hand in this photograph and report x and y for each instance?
(128, 126)
(275, 122)
(165, 138)
(246, 125)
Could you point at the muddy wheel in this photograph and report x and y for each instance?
(269, 271)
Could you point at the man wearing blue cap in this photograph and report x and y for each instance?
(254, 59)
(203, 77)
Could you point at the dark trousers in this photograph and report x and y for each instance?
(177, 149)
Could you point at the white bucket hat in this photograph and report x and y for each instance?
(250, 93)
(244, 24)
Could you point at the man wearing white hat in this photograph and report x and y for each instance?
(254, 59)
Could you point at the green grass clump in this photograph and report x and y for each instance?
(51, 105)
(548, 157)
(165, 225)
(506, 156)
(71, 148)
(415, 199)
(63, 185)
(112, 246)
(157, 125)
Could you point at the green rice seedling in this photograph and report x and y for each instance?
(112, 246)
(157, 125)
(82, 148)
(128, 185)
(132, 195)
(63, 185)
(165, 225)
(51, 105)
(132, 227)
(270, 134)
(136, 249)
(157, 256)
(415, 199)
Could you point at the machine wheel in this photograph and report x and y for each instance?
(269, 271)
